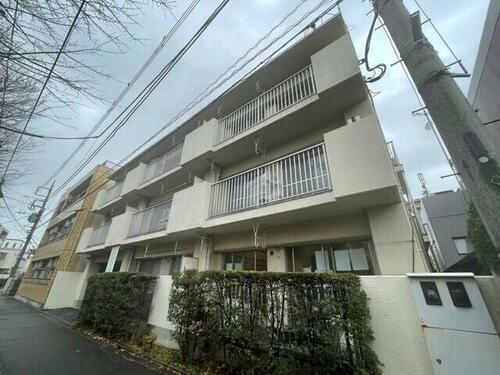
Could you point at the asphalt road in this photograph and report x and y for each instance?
(33, 344)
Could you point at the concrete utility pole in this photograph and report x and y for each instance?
(460, 128)
(36, 220)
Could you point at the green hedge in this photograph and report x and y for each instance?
(272, 323)
(116, 304)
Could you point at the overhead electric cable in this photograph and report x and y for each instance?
(129, 85)
(197, 100)
(49, 75)
(146, 92)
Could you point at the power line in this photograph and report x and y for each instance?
(104, 178)
(35, 135)
(146, 92)
(209, 89)
(127, 88)
(7, 65)
(61, 49)
(422, 105)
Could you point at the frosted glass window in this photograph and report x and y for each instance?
(342, 262)
(320, 261)
(463, 246)
(358, 259)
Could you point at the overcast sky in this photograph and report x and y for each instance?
(237, 28)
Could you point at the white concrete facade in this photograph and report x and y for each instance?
(302, 161)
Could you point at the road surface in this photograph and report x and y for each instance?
(31, 343)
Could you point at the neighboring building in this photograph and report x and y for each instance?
(288, 171)
(444, 219)
(10, 250)
(57, 249)
(484, 91)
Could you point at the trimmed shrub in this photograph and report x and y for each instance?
(274, 323)
(117, 304)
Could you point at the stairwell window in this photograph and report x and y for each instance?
(463, 245)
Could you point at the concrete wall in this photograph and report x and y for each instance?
(399, 341)
(64, 291)
(189, 208)
(158, 316)
(396, 247)
(490, 290)
(133, 179)
(460, 340)
(335, 63)
(358, 158)
(200, 141)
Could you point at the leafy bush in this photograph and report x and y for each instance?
(116, 304)
(279, 323)
(485, 250)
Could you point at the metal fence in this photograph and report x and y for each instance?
(98, 235)
(285, 94)
(112, 193)
(304, 172)
(163, 164)
(152, 219)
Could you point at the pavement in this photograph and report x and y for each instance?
(32, 343)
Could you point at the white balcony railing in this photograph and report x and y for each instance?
(163, 164)
(98, 235)
(285, 94)
(152, 219)
(304, 172)
(112, 193)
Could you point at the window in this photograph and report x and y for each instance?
(431, 293)
(463, 245)
(246, 261)
(150, 266)
(43, 269)
(458, 294)
(175, 264)
(343, 257)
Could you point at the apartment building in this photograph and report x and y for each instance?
(57, 249)
(287, 171)
(10, 250)
(484, 89)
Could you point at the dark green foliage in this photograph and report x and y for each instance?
(274, 323)
(485, 251)
(116, 304)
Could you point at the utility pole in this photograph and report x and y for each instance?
(35, 222)
(463, 133)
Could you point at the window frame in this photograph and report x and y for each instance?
(467, 244)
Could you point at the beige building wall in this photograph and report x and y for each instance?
(38, 290)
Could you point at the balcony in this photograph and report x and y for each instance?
(149, 220)
(163, 164)
(296, 88)
(303, 173)
(112, 194)
(98, 235)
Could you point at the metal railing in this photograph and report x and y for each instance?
(152, 219)
(112, 193)
(163, 164)
(304, 172)
(98, 235)
(285, 94)
(392, 153)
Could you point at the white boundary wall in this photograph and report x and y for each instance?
(399, 340)
(65, 289)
